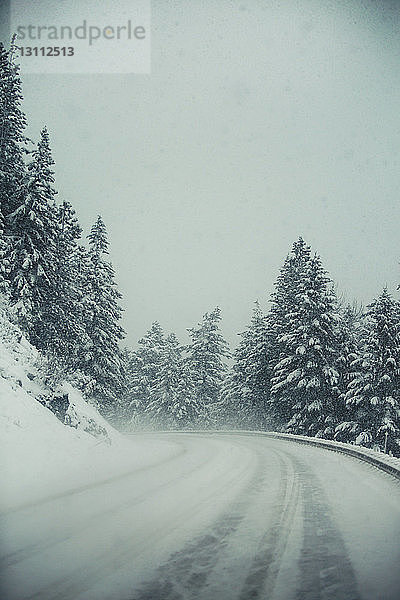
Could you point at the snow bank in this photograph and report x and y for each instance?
(39, 455)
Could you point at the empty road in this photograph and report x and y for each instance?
(224, 516)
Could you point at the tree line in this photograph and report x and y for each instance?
(313, 365)
(308, 364)
(62, 293)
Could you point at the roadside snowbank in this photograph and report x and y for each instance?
(41, 457)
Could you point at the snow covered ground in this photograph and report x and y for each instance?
(212, 517)
(39, 456)
(184, 516)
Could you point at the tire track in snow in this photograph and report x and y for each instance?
(324, 566)
(264, 569)
(186, 572)
(326, 572)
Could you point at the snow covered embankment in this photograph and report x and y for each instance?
(39, 455)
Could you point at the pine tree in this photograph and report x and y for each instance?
(246, 391)
(133, 402)
(12, 148)
(164, 383)
(257, 365)
(34, 231)
(12, 139)
(102, 359)
(206, 355)
(281, 317)
(66, 312)
(348, 332)
(305, 378)
(188, 410)
(172, 393)
(373, 395)
(4, 261)
(231, 411)
(287, 286)
(143, 369)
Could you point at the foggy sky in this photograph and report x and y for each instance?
(261, 121)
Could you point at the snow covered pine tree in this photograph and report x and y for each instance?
(12, 126)
(245, 390)
(373, 395)
(143, 368)
(349, 331)
(206, 354)
(67, 311)
(12, 149)
(34, 229)
(304, 386)
(102, 361)
(172, 395)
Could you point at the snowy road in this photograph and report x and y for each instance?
(221, 517)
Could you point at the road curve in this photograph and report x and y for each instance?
(225, 517)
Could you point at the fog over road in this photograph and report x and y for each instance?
(222, 516)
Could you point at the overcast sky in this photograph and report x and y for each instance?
(261, 120)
